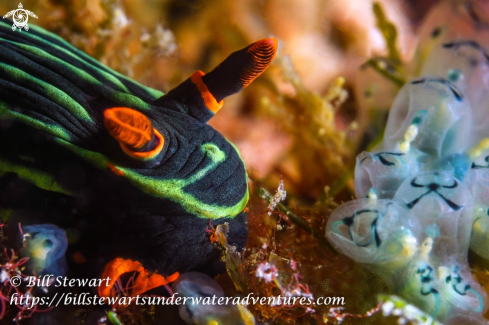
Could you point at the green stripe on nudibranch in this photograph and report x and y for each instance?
(239, 155)
(128, 100)
(40, 179)
(107, 73)
(55, 130)
(49, 91)
(121, 98)
(173, 189)
(153, 92)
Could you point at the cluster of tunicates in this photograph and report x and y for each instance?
(423, 193)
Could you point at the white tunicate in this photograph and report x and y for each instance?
(383, 171)
(466, 63)
(442, 200)
(444, 126)
(375, 232)
(452, 20)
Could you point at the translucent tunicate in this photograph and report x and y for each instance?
(45, 245)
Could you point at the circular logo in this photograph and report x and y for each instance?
(20, 18)
(16, 281)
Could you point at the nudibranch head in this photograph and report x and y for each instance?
(146, 166)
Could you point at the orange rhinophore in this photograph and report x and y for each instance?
(203, 93)
(134, 132)
(145, 280)
(235, 73)
(240, 68)
(262, 53)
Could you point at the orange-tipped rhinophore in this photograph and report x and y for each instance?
(240, 68)
(262, 53)
(202, 94)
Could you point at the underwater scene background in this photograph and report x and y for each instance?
(349, 162)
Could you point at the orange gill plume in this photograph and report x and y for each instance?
(144, 281)
(134, 131)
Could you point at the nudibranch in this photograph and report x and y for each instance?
(423, 192)
(135, 173)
